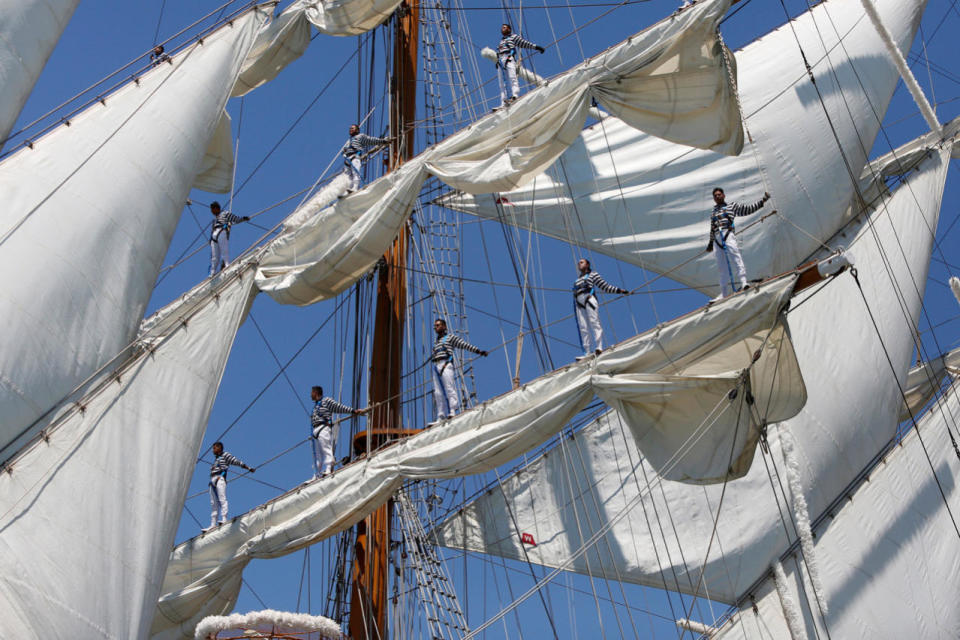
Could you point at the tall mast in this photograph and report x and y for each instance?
(368, 602)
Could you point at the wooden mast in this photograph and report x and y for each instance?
(368, 602)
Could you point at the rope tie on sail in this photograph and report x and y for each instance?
(790, 611)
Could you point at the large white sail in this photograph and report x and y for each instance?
(29, 30)
(204, 574)
(849, 416)
(889, 556)
(646, 201)
(88, 215)
(88, 512)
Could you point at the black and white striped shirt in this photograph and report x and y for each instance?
(507, 48)
(445, 344)
(591, 280)
(356, 143)
(223, 221)
(323, 411)
(721, 220)
(224, 460)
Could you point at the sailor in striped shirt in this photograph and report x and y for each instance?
(351, 153)
(220, 236)
(510, 44)
(321, 424)
(722, 235)
(585, 306)
(445, 394)
(218, 483)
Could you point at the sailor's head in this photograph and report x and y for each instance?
(506, 29)
(718, 195)
(217, 448)
(583, 265)
(316, 392)
(215, 208)
(158, 50)
(354, 129)
(440, 326)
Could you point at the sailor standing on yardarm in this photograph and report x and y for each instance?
(510, 43)
(586, 306)
(723, 237)
(218, 483)
(351, 153)
(445, 394)
(220, 236)
(321, 424)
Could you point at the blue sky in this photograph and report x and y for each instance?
(304, 115)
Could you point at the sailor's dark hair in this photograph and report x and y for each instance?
(440, 320)
(720, 189)
(214, 204)
(507, 25)
(317, 388)
(218, 443)
(587, 260)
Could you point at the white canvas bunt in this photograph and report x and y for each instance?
(204, 574)
(89, 513)
(890, 555)
(925, 380)
(29, 30)
(268, 622)
(216, 168)
(850, 415)
(646, 201)
(88, 216)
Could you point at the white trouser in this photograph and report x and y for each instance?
(353, 170)
(219, 251)
(322, 450)
(588, 321)
(508, 76)
(218, 500)
(729, 264)
(445, 389)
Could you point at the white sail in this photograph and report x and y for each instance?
(646, 201)
(29, 30)
(88, 215)
(925, 380)
(854, 401)
(204, 574)
(216, 168)
(889, 556)
(88, 512)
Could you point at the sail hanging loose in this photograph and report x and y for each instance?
(849, 416)
(29, 30)
(88, 216)
(642, 200)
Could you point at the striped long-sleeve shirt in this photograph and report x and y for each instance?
(721, 220)
(223, 221)
(507, 48)
(591, 280)
(224, 460)
(445, 344)
(323, 411)
(357, 143)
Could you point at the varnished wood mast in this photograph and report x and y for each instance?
(368, 602)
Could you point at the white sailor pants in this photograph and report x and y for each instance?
(445, 389)
(218, 500)
(588, 321)
(219, 250)
(508, 76)
(323, 450)
(353, 170)
(729, 264)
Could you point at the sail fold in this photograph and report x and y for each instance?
(89, 512)
(848, 417)
(278, 44)
(203, 576)
(88, 216)
(647, 201)
(29, 30)
(216, 168)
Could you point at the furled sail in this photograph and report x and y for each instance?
(88, 512)
(889, 556)
(646, 201)
(29, 30)
(849, 416)
(88, 215)
(204, 574)
(925, 380)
